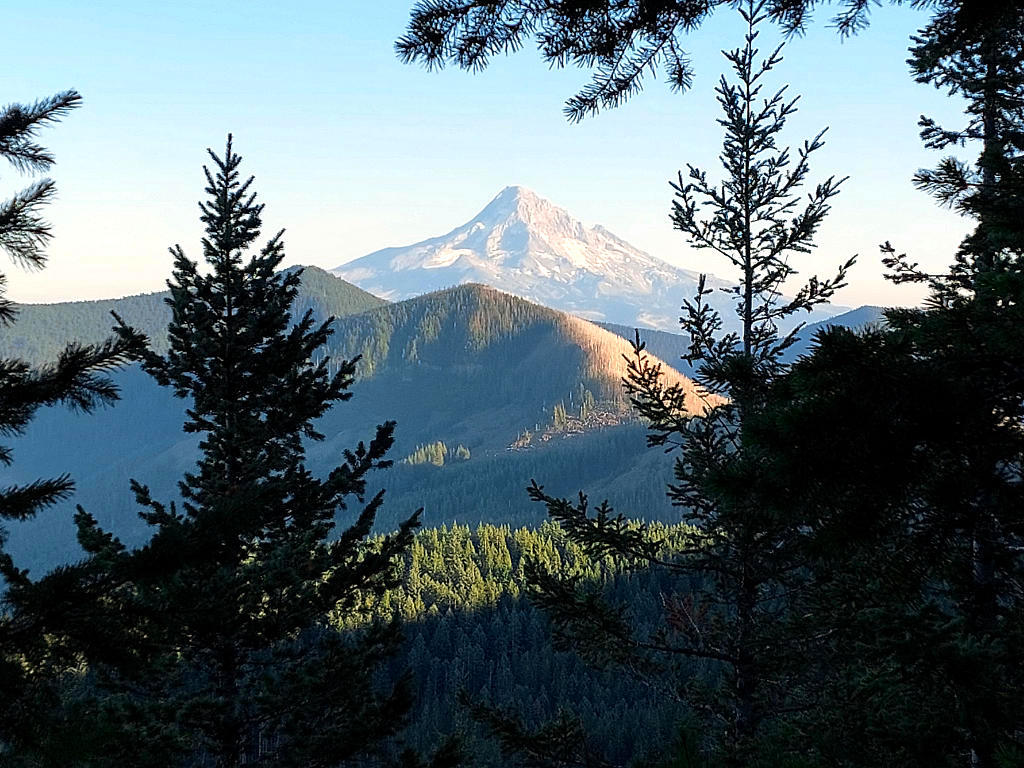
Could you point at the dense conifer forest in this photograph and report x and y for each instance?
(470, 628)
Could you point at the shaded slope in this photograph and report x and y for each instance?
(41, 330)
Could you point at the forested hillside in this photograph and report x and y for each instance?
(42, 330)
(265, 519)
(469, 626)
(526, 390)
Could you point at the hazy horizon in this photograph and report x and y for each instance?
(353, 151)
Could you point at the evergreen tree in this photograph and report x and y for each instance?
(30, 659)
(73, 379)
(880, 449)
(239, 587)
(977, 308)
(559, 417)
(984, 64)
(746, 561)
(920, 534)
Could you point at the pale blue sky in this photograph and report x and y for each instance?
(354, 151)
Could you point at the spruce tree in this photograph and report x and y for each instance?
(743, 562)
(239, 591)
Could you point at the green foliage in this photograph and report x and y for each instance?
(436, 453)
(431, 453)
(32, 657)
(587, 403)
(746, 561)
(893, 505)
(558, 415)
(911, 521)
(224, 614)
(43, 329)
(489, 487)
(471, 634)
(984, 64)
(23, 232)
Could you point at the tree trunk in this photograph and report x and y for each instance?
(746, 712)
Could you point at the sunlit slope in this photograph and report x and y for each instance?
(493, 346)
(468, 366)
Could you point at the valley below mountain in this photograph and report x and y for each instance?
(506, 389)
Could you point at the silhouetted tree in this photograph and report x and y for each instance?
(916, 540)
(623, 41)
(238, 591)
(745, 561)
(30, 659)
(73, 379)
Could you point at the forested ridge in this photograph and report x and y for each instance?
(469, 366)
(43, 329)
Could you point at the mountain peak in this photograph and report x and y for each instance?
(526, 245)
(515, 194)
(523, 244)
(525, 205)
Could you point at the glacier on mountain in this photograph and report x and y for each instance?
(523, 244)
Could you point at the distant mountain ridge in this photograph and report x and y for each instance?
(466, 366)
(673, 347)
(525, 245)
(42, 330)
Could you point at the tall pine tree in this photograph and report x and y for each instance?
(901, 451)
(237, 594)
(736, 579)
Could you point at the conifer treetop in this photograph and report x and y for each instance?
(754, 218)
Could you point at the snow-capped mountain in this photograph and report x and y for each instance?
(522, 244)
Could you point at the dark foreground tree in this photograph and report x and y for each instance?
(911, 500)
(622, 41)
(912, 669)
(75, 379)
(719, 649)
(230, 608)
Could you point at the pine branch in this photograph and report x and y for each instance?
(23, 232)
(621, 42)
(20, 123)
(20, 502)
